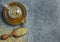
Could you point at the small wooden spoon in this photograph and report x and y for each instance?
(16, 33)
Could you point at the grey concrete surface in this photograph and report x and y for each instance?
(43, 20)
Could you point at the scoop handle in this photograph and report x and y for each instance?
(5, 36)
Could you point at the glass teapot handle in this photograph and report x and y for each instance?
(5, 5)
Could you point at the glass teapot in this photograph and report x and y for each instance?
(14, 12)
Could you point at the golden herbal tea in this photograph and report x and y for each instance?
(14, 13)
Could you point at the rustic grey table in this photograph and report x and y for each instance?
(43, 20)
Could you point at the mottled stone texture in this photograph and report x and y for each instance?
(43, 20)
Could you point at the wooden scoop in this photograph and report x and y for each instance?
(16, 33)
